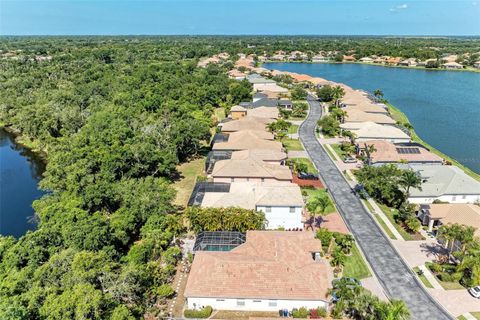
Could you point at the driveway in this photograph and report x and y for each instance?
(395, 276)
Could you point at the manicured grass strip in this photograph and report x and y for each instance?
(422, 278)
(355, 266)
(189, 172)
(308, 162)
(387, 211)
(293, 129)
(330, 153)
(399, 116)
(338, 151)
(311, 192)
(461, 318)
(369, 206)
(476, 314)
(292, 145)
(385, 227)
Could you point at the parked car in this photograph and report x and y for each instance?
(475, 291)
(349, 159)
(307, 176)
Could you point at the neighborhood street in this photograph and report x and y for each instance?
(397, 279)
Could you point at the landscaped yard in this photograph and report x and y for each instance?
(390, 212)
(311, 192)
(224, 314)
(422, 278)
(293, 129)
(338, 151)
(189, 172)
(292, 145)
(308, 162)
(447, 285)
(355, 266)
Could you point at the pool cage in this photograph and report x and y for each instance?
(214, 156)
(218, 240)
(201, 188)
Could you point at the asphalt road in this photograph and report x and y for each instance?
(395, 276)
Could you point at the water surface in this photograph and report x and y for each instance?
(443, 106)
(20, 172)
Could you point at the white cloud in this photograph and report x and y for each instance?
(399, 7)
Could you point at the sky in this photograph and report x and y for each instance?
(227, 17)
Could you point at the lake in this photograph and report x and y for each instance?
(20, 172)
(443, 106)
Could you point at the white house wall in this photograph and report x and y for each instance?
(446, 198)
(253, 304)
(281, 217)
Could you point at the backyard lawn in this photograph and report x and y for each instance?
(189, 172)
(311, 167)
(355, 266)
(311, 192)
(292, 145)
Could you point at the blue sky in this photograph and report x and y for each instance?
(109, 17)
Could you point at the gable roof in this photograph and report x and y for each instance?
(260, 154)
(354, 115)
(269, 265)
(440, 180)
(264, 112)
(246, 123)
(372, 130)
(465, 214)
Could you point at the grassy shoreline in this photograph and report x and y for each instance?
(399, 116)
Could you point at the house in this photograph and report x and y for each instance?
(264, 112)
(452, 65)
(476, 65)
(393, 60)
(354, 115)
(237, 112)
(410, 62)
(237, 75)
(248, 139)
(250, 170)
(272, 270)
(282, 203)
(270, 156)
(246, 123)
(272, 87)
(285, 104)
(444, 183)
(262, 100)
(365, 131)
(320, 58)
(349, 58)
(435, 215)
(297, 55)
(366, 107)
(366, 59)
(387, 152)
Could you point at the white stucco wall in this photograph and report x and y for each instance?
(281, 217)
(446, 198)
(253, 304)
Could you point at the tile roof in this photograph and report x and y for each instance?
(264, 112)
(246, 123)
(465, 214)
(372, 130)
(269, 265)
(249, 139)
(444, 180)
(354, 115)
(260, 154)
(388, 152)
(250, 168)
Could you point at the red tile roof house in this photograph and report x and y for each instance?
(272, 270)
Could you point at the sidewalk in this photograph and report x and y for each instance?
(430, 277)
(384, 218)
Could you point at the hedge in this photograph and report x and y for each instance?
(199, 314)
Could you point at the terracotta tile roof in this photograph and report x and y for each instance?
(249, 139)
(466, 214)
(260, 154)
(366, 107)
(373, 131)
(387, 152)
(269, 265)
(246, 123)
(250, 168)
(354, 115)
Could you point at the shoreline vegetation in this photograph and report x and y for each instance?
(469, 69)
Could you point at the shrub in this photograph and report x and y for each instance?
(302, 313)
(322, 312)
(435, 267)
(200, 314)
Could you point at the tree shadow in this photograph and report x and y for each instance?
(433, 249)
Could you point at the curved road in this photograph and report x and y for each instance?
(397, 279)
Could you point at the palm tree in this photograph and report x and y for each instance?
(318, 204)
(378, 93)
(410, 179)
(393, 310)
(337, 93)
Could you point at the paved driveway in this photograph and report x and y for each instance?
(395, 276)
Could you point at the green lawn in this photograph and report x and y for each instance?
(311, 192)
(311, 167)
(292, 145)
(461, 318)
(385, 227)
(355, 266)
(422, 278)
(399, 116)
(189, 172)
(338, 151)
(330, 153)
(368, 205)
(293, 129)
(476, 315)
(389, 213)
